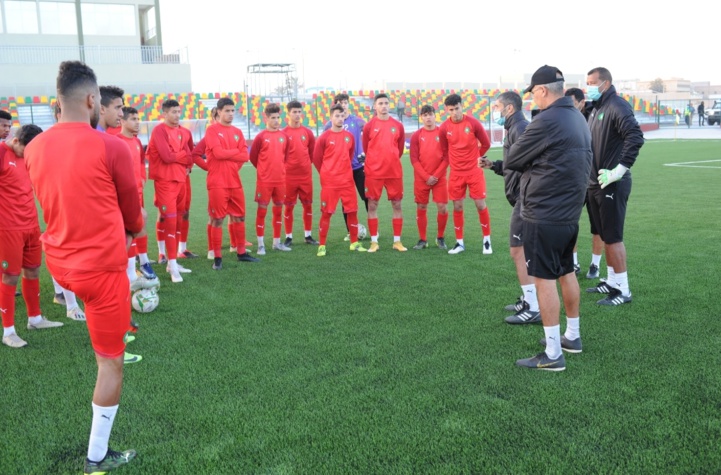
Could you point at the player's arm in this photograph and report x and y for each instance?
(214, 145)
(255, 149)
(311, 142)
(199, 154)
(484, 143)
(163, 147)
(402, 141)
(416, 157)
(442, 167)
(443, 140)
(318, 152)
(527, 148)
(366, 137)
(120, 167)
(631, 133)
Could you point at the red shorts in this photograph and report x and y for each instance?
(329, 198)
(226, 201)
(475, 182)
(264, 194)
(298, 189)
(374, 188)
(107, 305)
(422, 191)
(20, 250)
(169, 198)
(188, 194)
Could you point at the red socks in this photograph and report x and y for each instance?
(458, 223)
(422, 221)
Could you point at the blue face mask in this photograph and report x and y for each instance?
(500, 120)
(593, 93)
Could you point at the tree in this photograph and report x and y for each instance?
(657, 85)
(290, 88)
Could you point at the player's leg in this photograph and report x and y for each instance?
(278, 201)
(31, 260)
(613, 216)
(528, 312)
(422, 223)
(11, 250)
(262, 197)
(236, 209)
(291, 198)
(373, 191)
(477, 191)
(350, 204)
(440, 198)
(457, 193)
(159, 200)
(170, 196)
(306, 199)
(209, 232)
(394, 189)
(185, 223)
(328, 203)
(217, 209)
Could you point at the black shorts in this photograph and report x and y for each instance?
(586, 205)
(607, 209)
(549, 249)
(516, 226)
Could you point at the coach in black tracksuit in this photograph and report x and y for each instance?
(616, 140)
(554, 155)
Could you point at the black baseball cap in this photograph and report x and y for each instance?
(544, 75)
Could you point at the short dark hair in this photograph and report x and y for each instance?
(272, 108)
(336, 107)
(73, 75)
(381, 95)
(341, 97)
(224, 101)
(603, 74)
(512, 98)
(128, 111)
(27, 132)
(428, 109)
(293, 105)
(452, 100)
(109, 93)
(169, 104)
(575, 92)
(6, 115)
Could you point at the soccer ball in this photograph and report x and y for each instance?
(145, 300)
(362, 231)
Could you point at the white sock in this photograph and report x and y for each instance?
(182, 247)
(575, 258)
(276, 241)
(261, 241)
(173, 265)
(529, 295)
(103, 418)
(8, 330)
(35, 319)
(130, 270)
(58, 289)
(70, 301)
(611, 279)
(573, 328)
(307, 233)
(161, 247)
(596, 260)
(460, 241)
(396, 239)
(553, 341)
(374, 238)
(622, 283)
(486, 239)
(143, 258)
(289, 236)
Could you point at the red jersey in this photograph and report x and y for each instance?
(86, 188)
(199, 155)
(138, 156)
(332, 156)
(225, 151)
(169, 153)
(114, 130)
(18, 212)
(384, 142)
(301, 142)
(268, 154)
(426, 155)
(463, 142)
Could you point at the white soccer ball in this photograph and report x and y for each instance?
(145, 300)
(362, 231)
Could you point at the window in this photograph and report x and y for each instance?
(21, 17)
(150, 23)
(107, 19)
(58, 18)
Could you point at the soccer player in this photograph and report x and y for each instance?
(616, 140)
(268, 155)
(384, 140)
(226, 151)
(88, 230)
(130, 126)
(298, 173)
(332, 157)
(509, 110)
(6, 122)
(429, 175)
(169, 153)
(19, 238)
(464, 140)
(354, 125)
(111, 109)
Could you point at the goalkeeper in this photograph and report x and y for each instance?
(616, 140)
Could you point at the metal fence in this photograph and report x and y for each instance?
(90, 54)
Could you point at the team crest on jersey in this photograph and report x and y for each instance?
(137, 147)
(163, 208)
(599, 116)
(346, 139)
(438, 139)
(258, 195)
(236, 137)
(5, 264)
(281, 139)
(467, 130)
(302, 137)
(323, 204)
(393, 130)
(180, 137)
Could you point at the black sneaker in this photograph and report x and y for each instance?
(576, 269)
(112, 460)
(288, 241)
(217, 263)
(601, 288)
(524, 316)
(516, 307)
(615, 298)
(421, 244)
(542, 361)
(245, 257)
(441, 243)
(593, 272)
(311, 241)
(571, 346)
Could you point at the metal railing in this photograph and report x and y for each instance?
(90, 54)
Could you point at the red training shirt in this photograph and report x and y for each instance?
(169, 153)
(426, 155)
(226, 151)
(268, 154)
(384, 143)
(301, 142)
(199, 155)
(332, 157)
(460, 143)
(17, 211)
(138, 156)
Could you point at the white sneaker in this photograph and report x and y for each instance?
(43, 324)
(14, 341)
(211, 255)
(175, 276)
(76, 314)
(347, 238)
(487, 249)
(457, 249)
(143, 283)
(233, 250)
(281, 247)
(181, 269)
(261, 250)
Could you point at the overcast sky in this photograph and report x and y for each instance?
(363, 44)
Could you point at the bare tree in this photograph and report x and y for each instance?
(657, 85)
